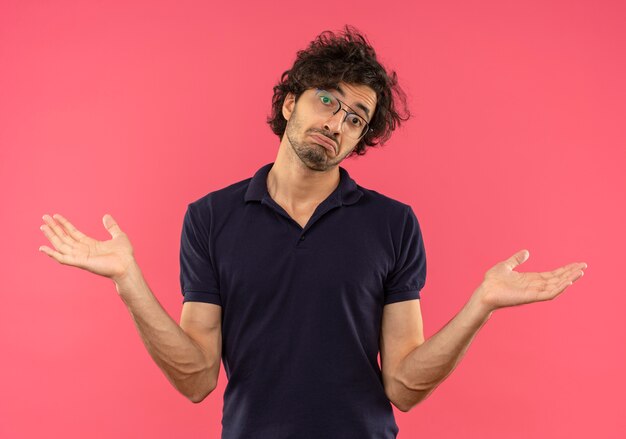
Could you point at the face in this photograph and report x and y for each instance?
(307, 129)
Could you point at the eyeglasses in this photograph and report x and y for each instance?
(352, 125)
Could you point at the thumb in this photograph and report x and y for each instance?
(518, 258)
(111, 225)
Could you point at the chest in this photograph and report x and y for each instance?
(300, 215)
(302, 218)
(269, 258)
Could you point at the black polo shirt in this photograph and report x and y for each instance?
(302, 307)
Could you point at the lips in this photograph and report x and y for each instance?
(324, 141)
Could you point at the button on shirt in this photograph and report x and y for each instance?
(302, 307)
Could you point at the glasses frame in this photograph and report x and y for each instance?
(342, 104)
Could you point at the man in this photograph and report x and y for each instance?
(297, 277)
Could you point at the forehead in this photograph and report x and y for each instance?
(356, 96)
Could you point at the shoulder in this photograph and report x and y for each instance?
(383, 205)
(391, 218)
(227, 196)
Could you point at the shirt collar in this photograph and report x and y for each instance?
(346, 192)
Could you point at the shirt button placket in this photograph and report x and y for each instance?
(300, 241)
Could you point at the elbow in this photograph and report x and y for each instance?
(406, 403)
(403, 409)
(199, 397)
(196, 399)
(200, 393)
(405, 397)
(197, 386)
(399, 401)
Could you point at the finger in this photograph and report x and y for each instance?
(572, 274)
(569, 280)
(565, 280)
(57, 230)
(558, 289)
(59, 257)
(518, 258)
(54, 239)
(562, 270)
(550, 283)
(69, 228)
(111, 225)
(577, 274)
(548, 290)
(557, 272)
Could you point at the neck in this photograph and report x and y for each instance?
(292, 183)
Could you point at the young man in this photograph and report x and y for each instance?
(297, 277)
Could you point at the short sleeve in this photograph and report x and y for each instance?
(197, 275)
(408, 276)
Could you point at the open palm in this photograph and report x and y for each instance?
(106, 258)
(504, 287)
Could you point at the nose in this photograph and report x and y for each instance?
(333, 123)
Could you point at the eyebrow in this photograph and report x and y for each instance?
(358, 104)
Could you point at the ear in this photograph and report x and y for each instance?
(288, 105)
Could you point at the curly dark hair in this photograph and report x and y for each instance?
(343, 57)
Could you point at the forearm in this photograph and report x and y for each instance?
(424, 368)
(181, 359)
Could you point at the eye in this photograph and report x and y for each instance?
(326, 100)
(356, 121)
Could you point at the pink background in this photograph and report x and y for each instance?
(518, 141)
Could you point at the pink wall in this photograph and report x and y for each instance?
(135, 109)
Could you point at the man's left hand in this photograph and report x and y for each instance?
(503, 287)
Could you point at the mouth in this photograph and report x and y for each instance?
(325, 142)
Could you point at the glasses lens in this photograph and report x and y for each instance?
(353, 125)
(326, 103)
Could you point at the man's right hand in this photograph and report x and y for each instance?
(112, 258)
